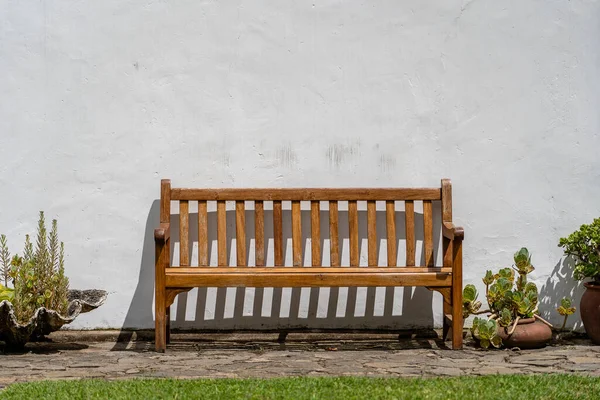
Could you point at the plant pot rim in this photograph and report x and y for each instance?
(524, 321)
(592, 285)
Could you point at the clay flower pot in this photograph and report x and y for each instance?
(589, 308)
(529, 334)
(44, 321)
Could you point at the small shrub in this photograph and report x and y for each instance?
(38, 277)
(584, 246)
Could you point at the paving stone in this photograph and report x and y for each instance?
(444, 371)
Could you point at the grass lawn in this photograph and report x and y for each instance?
(490, 387)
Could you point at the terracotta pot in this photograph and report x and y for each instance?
(529, 334)
(589, 308)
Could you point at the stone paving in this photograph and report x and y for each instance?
(74, 355)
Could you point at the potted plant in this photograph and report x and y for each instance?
(40, 300)
(584, 246)
(513, 319)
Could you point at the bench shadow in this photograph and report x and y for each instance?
(284, 309)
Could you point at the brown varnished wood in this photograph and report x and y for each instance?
(259, 233)
(222, 233)
(161, 261)
(184, 233)
(202, 233)
(447, 217)
(372, 232)
(428, 232)
(334, 247)
(457, 316)
(240, 233)
(307, 269)
(172, 293)
(165, 201)
(296, 233)
(306, 277)
(390, 222)
(409, 212)
(162, 232)
(452, 232)
(307, 194)
(315, 232)
(353, 233)
(278, 232)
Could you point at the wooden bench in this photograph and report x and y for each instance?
(172, 280)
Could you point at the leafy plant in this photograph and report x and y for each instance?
(38, 277)
(486, 331)
(6, 293)
(565, 309)
(4, 261)
(584, 246)
(509, 299)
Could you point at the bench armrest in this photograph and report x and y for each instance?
(163, 232)
(452, 232)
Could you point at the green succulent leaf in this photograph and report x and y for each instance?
(584, 245)
(470, 293)
(496, 341)
(6, 293)
(507, 273)
(488, 279)
(485, 343)
(505, 317)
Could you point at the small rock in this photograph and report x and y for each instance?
(132, 371)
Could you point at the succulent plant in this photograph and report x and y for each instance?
(486, 331)
(6, 293)
(565, 309)
(584, 246)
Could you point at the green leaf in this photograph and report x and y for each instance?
(488, 279)
(505, 317)
(470, 293)
(485, 343)
(565, 302)
(507, 273)
(496, 341)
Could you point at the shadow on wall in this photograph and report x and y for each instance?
(316, 308)
(561, 284)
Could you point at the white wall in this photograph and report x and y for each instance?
(101, 99)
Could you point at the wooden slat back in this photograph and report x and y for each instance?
(315, 233)
(355, 201)
(184, 234)
(259, 233)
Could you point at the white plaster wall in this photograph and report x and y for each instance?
(101, 99)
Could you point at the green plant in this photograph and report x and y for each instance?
(584, 246)
(509, 297)
(565, 309)
(38, 277)
(6, 293)
(4, 261)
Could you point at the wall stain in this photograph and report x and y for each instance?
(387, 163)
(286, 157)
(339, 154)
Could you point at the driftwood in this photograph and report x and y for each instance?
(44, 321)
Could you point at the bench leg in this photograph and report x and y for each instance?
(160, 331)
(446, 324)
(168, 325)
(457, 300)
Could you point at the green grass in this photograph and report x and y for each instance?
(490, 387)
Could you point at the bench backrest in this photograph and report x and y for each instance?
(262, 197)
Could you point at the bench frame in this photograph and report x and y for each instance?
(172, 280)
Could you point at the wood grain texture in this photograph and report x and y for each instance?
(184, 233)
(222, 234)
(334, 246)
(409, 212)
(304, 277)
(259, 233)
(296, 233)
(240, 233)
(315, 233)
(165, 201)
(457, 285)
(390, 222)
(202, 234)
(450, 231)
(372, 232)
(428, 232)
(353, 233)
(446, 200)
(307, 194)
(278, 233)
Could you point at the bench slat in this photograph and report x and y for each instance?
(222, 233)
(334, 248)
(372, 231)
(428, 232)
(315, 232)
(259, 233)
(307, 194)
(240, 233)
(202, 234)
(296, 233)
(390, 220)
(353, 233)
(409, 213)
(447, 217)
(184, 233)
(278, 233)
(309, 277)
